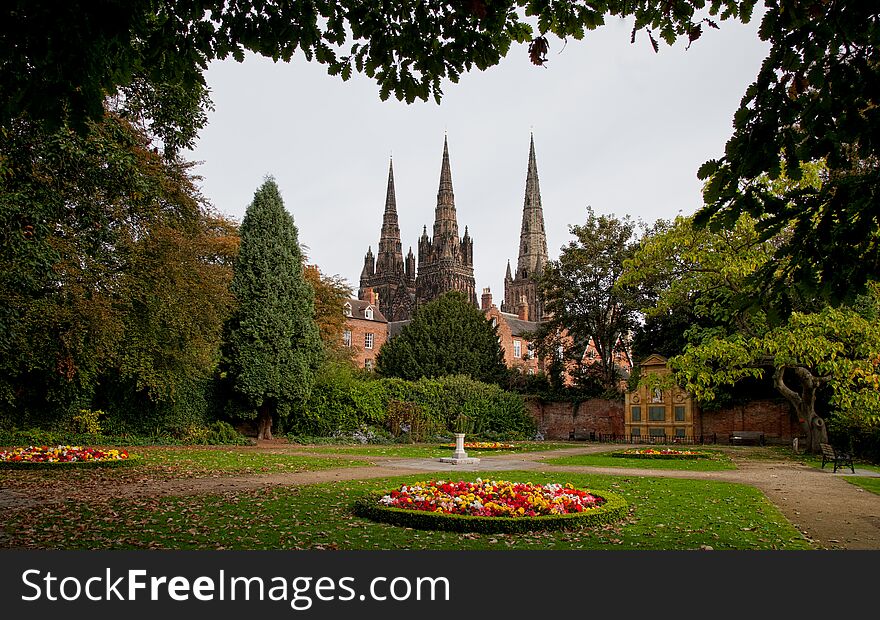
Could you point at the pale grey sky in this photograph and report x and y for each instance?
(616, 126)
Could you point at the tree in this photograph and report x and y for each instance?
(447, 336)
(741, 336)
(582, 297)
(113, 272)
(330, 295)
(272, 348)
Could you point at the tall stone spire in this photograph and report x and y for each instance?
(532, 249)
(390, 256)
(390, 279)
(445, 220)
(445, 260)
(532, 238)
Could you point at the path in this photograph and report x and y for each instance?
(828, 510)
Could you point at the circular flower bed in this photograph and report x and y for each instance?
(665, 453)
(491, 506)
(35, 457)
(483, 445)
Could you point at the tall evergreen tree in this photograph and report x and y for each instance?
(272, 346)
(447, 336)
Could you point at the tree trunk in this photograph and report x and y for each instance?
(804, 403)
(264, 422)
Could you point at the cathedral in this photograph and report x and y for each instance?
(446, 261)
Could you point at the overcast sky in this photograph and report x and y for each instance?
(616, 126)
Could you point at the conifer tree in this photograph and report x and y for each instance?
(272, 347)
(447, 336)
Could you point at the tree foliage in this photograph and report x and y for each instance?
(113, 272)
(447, 336)
(584, 301)
(272, 345)
(741, 336)
(330, 295)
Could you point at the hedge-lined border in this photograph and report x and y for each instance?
(132, 459)
(614, 509)
(633, 455)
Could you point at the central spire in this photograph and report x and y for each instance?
(445, 221)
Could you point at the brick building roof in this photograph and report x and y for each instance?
(359, 308)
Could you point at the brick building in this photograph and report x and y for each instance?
(366, 328)
(514, 334)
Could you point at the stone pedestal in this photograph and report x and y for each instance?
(459, 456)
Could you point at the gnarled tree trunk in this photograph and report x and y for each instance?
(264, 422)
(804, 403)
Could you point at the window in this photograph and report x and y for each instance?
(636, 432)
(636, 414)
(657, 414)
(368, 341)
(530, 351)
(346, 337)
(368, 364)
(494, 322)
(679, 413)
(657, 432)
(531, 371)
(679, 432)
(517, 348)
(368, 313)
(346, 309)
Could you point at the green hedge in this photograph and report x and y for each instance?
(132, 459)
(614, 509)
(342, 402)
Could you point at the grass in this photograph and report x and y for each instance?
(718, 461)
(665, 514)
(866, 482)
(419, 451)
(233, 461)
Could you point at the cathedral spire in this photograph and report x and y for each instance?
(390, 256)
(532, 238)
(445, 221)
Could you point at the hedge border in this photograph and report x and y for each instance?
(614, 509)
(632, 455)
(132, 459)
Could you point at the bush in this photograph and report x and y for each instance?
(614, 509)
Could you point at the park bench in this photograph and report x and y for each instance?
(582, 436)
(744, 437)
(838, 457)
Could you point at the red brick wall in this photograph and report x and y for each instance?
(557, 419)
(359, 328)
(773, 417)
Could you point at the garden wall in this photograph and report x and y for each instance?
(773, 417)
(557, 420)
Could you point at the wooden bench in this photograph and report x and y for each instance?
(582, 436)
(838, 457)
(744, 437)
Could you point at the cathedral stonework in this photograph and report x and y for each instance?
(523, 285)
(389, 276)
(446, 262)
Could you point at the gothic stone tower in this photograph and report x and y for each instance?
(532, 250)
(446, 262)
(389, 276)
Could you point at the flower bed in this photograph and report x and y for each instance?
(665, 453)
(483, 445)
(491, 506)
(37, 457)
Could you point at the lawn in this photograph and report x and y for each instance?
(717, 462)
(866, 482)
(665, 514)
(423, 451)
(234, 461)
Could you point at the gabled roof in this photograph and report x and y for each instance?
(518, 327)
(653, 360)
(359, 307)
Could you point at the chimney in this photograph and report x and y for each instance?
(523, 309)
(375, 297)
(486, 301)
(369, 296)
